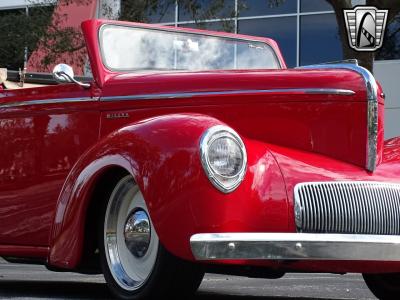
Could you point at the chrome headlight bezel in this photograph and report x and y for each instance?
(225, 184)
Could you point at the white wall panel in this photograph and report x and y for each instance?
(388, 74)
(392, 123)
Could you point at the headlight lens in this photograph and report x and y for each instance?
(224, 158)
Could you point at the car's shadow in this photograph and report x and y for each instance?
(87, 290)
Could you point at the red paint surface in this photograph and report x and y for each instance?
(24, 251)
(53, 154)
(40, 144)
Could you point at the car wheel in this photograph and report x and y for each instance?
(384, 286)
(134, 263)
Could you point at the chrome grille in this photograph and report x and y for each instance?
(348, 207)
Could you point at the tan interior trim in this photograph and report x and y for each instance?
(11, 85)
(3, 75)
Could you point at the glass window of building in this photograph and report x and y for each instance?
(190, 10)
(249, 8)
(315, 5)
(319, 39)
(148, 11)
(282, 30)
(391, 43)
(224, 25)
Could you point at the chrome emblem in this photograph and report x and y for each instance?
(365, 27)
(118, 115)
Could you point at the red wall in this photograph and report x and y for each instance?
(65, 16)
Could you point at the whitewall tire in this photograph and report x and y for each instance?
(134, 263)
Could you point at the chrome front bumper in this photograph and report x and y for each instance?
(297, 246)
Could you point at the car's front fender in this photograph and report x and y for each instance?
(162, 154)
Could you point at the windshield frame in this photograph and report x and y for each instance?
(197, 32)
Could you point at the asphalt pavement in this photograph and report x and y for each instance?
(35, 282)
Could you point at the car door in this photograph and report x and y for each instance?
(43, 132)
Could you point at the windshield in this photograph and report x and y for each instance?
(129, 48)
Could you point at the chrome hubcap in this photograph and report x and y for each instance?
(131, 243)
(137, 233)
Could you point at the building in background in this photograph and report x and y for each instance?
(306, 30)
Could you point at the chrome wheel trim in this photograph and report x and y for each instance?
(137, 233)
(129, 271)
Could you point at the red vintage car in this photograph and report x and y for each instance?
(192, 151)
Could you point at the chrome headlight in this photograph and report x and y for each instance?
(224, 158)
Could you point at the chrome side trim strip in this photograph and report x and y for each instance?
(372, 97)
(227, 93)
(295, 246)
(45, 101)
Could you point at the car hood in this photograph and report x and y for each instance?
(159, 82)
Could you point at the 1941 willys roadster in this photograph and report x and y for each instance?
(192, 151)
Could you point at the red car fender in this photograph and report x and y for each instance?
(162, 154)
(130, 148)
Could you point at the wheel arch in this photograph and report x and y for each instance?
(101, 191)
(76, 207)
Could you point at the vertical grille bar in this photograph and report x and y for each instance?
(348, 207)
(391, 208)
